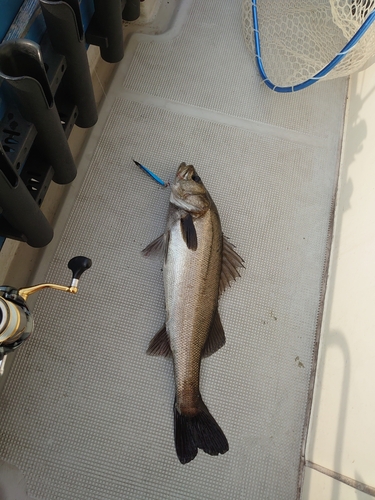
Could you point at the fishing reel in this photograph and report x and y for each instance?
(16, 320)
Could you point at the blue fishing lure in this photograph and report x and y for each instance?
(151, 174)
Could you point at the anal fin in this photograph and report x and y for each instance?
(159, 344)
(216, 337)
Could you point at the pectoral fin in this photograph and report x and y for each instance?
(188, 232)
(230, 265)
(160, 345)
(216, 337)
(158, 246)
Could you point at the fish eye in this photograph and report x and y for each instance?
(196, 178)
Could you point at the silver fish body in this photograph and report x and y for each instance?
(198, 265)
(191, 281)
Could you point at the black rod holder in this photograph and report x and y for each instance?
(105, 29)
(22, 69)
(19, 208)
(132, 10)
(65, 30)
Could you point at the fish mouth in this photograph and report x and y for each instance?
(184, 171)
(188, 191)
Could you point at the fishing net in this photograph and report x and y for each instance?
(300, 37)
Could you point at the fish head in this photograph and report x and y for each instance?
(188, 191)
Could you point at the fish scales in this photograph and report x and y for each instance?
(191, 281)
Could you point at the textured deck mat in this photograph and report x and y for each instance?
(86, 414)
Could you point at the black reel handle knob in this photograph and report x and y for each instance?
(79, 265)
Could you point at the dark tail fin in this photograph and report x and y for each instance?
(201, 431)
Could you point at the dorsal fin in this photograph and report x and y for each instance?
(216, 337)
(230, 264)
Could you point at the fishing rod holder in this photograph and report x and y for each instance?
(25, 83)
(33, 136)
(21, 216)
(65, 31)
(46, 89)
(105, 28)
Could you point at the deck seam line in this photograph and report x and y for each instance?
(369, 490)
(261, 128)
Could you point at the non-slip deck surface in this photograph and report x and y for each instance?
(86, 414)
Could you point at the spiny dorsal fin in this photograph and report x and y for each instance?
(216, 337)
(188, 232)
(160, 345)
(230, 264)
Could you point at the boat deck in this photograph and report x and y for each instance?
(86, 413)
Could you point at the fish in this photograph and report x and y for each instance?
(199, 264)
